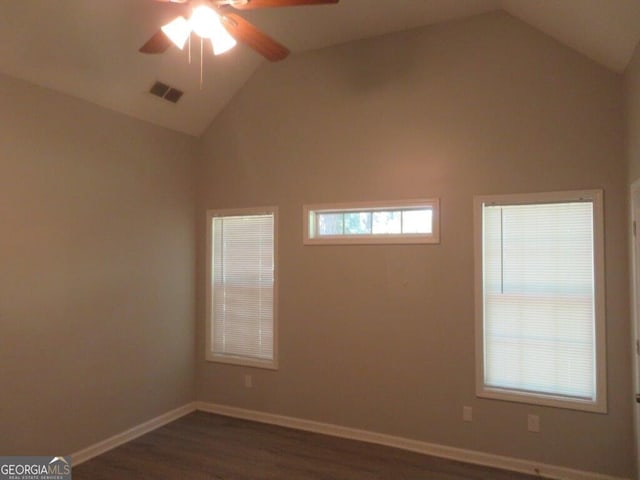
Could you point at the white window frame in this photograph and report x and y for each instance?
(599, 404)
(309, 213)
(210, 355)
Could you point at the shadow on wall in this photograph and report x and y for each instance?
(380, 62)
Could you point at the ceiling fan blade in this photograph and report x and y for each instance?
(158, 43)
(251, 4)
(246, 33)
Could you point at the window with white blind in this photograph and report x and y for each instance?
(241, 287)
(540, 299)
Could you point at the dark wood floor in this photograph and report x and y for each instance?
(205, 446)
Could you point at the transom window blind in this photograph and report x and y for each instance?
(243, 286)
(539, 300)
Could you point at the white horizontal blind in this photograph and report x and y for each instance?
(539, 298)
(242, 286)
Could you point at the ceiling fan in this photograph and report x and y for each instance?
(212, 20)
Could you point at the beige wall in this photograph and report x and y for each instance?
(632, 84)
(96, 271)
(382, 337)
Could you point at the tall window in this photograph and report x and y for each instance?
(241, 287)
(540, 299)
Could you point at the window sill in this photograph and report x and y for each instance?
(543, 400)
(242, 361)
(405, 239)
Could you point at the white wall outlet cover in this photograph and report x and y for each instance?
(467, 414)
(533, 423)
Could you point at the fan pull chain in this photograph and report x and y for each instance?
(201, 59)
(189, 49)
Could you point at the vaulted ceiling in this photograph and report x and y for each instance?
(89, 48)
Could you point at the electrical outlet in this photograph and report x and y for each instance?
(248, 381)
(533, 423)
(467, 414)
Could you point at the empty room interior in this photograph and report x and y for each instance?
(403, 228)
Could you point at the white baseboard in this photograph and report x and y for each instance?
(443, 451)
(112, 442)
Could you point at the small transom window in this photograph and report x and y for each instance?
(360, 223)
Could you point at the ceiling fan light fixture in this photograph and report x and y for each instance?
(221, 40)
(178, 30)
(203, 21)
